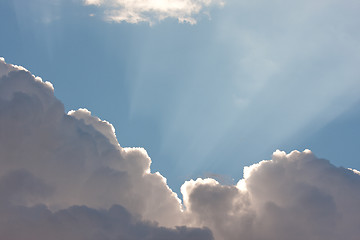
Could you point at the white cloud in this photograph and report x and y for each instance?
(64, 176)
(72, 159)
(292, 196)
(136, 11)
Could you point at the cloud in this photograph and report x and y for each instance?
(81, 222)
(67, 173)
(292, 196)
(66, 176)
(153, 10)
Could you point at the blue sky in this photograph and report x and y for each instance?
(208, 98)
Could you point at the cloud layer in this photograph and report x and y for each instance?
(153, 10)
(64, 175)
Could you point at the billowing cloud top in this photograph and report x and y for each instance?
(293, 196)
(135, 11)
(51, 163)
(65, 176)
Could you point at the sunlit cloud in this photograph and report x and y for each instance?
(72, 159)
(64, 175)
(293, 196)
(153, 10)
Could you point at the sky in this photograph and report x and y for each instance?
(204, 88)
(245, 79)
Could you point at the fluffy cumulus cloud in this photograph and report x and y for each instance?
(65, 176)
(66, 173)
(293, 196)
(135, 11)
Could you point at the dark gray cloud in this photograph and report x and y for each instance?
(81, 222)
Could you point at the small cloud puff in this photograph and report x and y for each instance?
(153, 10)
